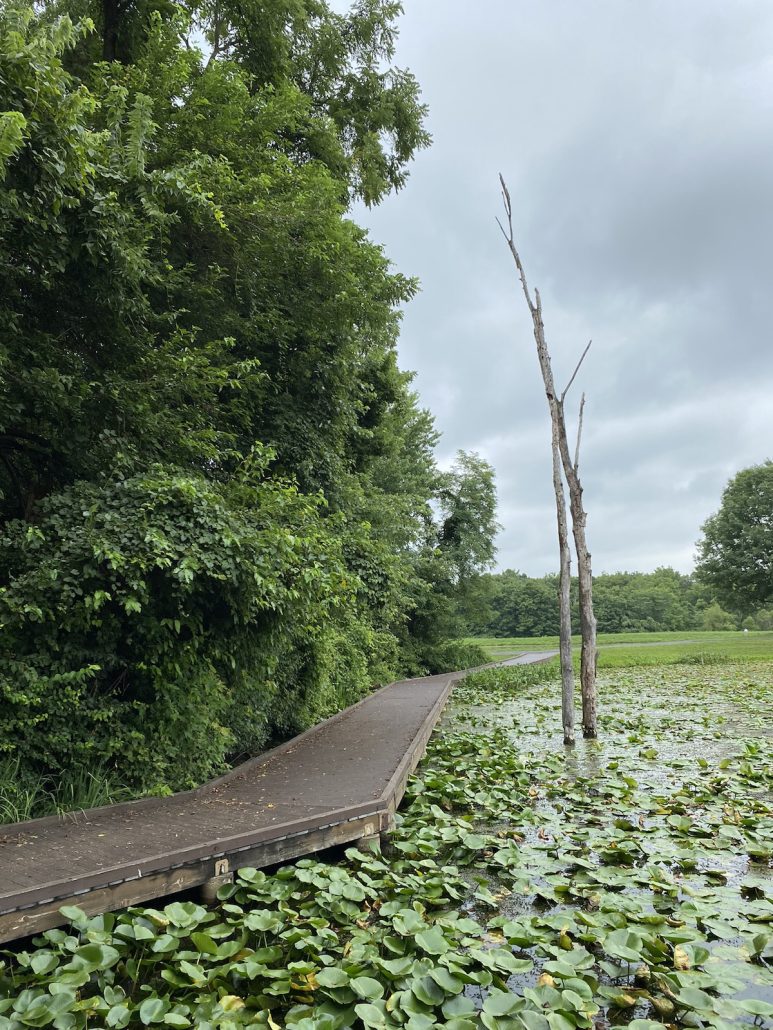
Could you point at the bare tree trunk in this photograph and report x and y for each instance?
(571, 472)
(589, 652)
(564, 599)
(111, 17)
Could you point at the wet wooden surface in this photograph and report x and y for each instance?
(340, 781)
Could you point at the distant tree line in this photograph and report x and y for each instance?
(731, 588)
(221, 517)
(625, 602)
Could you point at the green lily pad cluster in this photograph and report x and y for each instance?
(367, 942)
(524, 886)
(641, 863)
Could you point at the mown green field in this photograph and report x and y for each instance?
(622, 650)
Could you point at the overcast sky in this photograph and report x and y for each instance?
(636, 137)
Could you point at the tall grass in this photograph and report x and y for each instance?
(501, 683)
(28, 795)
(22, 795)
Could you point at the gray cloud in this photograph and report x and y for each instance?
(636, 140)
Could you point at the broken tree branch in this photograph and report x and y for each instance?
(577, 369)
(579, 434)
(510, 240)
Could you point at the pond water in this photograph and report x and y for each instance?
(525, 887)
(661, 829)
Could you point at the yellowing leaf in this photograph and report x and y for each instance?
(231, 1003)
(681, 958)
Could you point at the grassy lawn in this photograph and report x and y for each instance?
(624, 650)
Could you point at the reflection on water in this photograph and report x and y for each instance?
(584, 761)
(668, 812)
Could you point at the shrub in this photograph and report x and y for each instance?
(142, 619)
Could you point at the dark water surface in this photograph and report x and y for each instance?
(679, 782)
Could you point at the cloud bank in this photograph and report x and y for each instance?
(636, 142)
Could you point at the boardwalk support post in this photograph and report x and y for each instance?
(371, 835)
(223, 874)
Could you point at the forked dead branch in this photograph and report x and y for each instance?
(562, 460)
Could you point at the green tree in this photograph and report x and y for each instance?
(188, 286)
(716, 618)
(523, 606)
(220, 512)
(354, 111)
(764, 618)
(662, 600)
(92, 375)
(735, 555)
(459, 547)
(467, 518)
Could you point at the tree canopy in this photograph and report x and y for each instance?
(663, 600)
(220, 511)
(735, 554)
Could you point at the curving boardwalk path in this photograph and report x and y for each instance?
(338, 782)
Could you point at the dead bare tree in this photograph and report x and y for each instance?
(564, 597)
(589, 651)
(579, 518)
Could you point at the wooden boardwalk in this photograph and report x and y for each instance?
(339, 782)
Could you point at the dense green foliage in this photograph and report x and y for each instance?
(512, 604)
(625, 601)
(220, 513)
(168, 569)
(527, 887)
(735, 558)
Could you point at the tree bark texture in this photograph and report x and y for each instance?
(564, 599)
(588, 654)
(110, 21)
(113, 15)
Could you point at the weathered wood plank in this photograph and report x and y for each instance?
(334, 784)
(161, 884)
